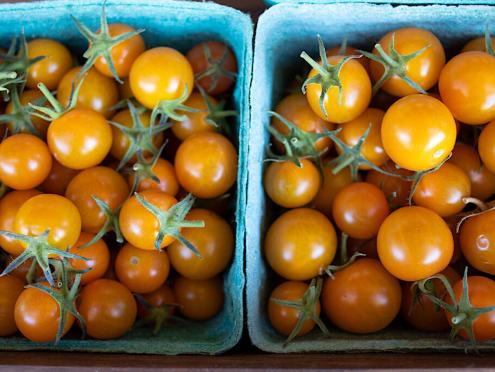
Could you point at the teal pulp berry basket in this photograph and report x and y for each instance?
(283, 32)
(411, 2)
(179, 24)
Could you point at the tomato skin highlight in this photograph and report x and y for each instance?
(10, 289)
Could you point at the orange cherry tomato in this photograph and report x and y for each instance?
(161, 297)
(51, 69)
(414, 243)
(477, 45)
(9, 205)
(58, 179)
(361, 298)
(359, 209)
(215, 242)
(123, 54)
(26, 97)
(290, 186)
(151, 83)
(485, 146)
(165, 172)
(199, 299)
(418, 132)
(98, 92)
(102, 182)
(206, 165)
(108, 308)
(300, 244)
(467, 87)
(97, 254)
(10, 289)
(349, 51)
(396, 189)
(25, 161)
(141, 271)
(424, 69)
(80, 138)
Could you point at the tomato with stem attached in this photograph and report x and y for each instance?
(97, 255)
(10, 288)
(25, 98)
(477, 44)
(165, 172)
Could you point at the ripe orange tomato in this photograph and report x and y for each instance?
(9, 205)
(141, 271)
(37, 315)
(424, 69)
(58, 179)
(123, 54)
(151, 83)
(97, 254)
(108, 308)
(361, 298)
(396, 189)
(414, 243)
(206, 165)
(215, 242)
(356, 93)
(349, 51)
(26, 97)
(10, 288)
(477, 44)
(467, 87)
(199, 299)
(165, 172)
(80, 138)
(359, 209)
(25, 161)
(290, 186)
(51, 69)
(486, 144)
(331, 185)
(161, 297)
(102, 182)
(284, 318)
(300, 244)
(418, 132)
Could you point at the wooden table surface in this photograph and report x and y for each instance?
(244, 356)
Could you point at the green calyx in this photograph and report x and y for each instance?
(327, 75)
(143, 168)
(216, 68)
(172, 220)
(168, 108)
(8, 81)
(39, 250)
(101, 44)
(216, 115)
(488, 42)
(157, 316)
(140, 136)
(345, 261)
(394, 64)
(306, 307)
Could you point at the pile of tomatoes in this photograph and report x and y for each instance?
(384, 172)
(118, 179)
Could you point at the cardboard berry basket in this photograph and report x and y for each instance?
(180, 25)
(283, 32)
(412, 2)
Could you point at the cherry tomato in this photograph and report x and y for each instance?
(151, 83)
(418, 310)
(424, 69)
(290, 186)
(9, 205)
(349, 51)
(206, 165)
(51, 69)
(485, 146)
(49, 212)
(218, 82)
(108, 308)
(161, 297)
(372, 148)
(418, 132)
(361, 298)
(481, 292)
(444, 190)
(396, 189)
(355, 97)
(58, 179)
(165, 172)
(97, 254)
(141, 271)
(98, 92)
(25, 161)
(37, 315)
(139, 226)
(26, 97)
(359, 209)
(102, 182)
(331, 185)
(467, 87)
(296, 109)
(414, 243)
(300, 244)
(477, 45)
(284, 318)
(199, 299)
(123, 54)
(482, 180)
(10, 288)
(80, 138)
(215, 242)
